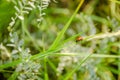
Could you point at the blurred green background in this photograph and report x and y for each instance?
(93, 18)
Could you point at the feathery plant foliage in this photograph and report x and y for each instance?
(25, 68)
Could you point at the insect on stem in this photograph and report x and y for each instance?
(79, 38)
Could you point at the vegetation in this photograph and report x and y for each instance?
(38, 40)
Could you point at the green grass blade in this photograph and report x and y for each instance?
(10, 64)
(37, 56)
(45, 69)
(43, 54)
(52, 65)
(13, 76)
(60, 35)
(94, 55)
(78, 66)
(72, 38)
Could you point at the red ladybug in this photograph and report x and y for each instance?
(79, 38)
